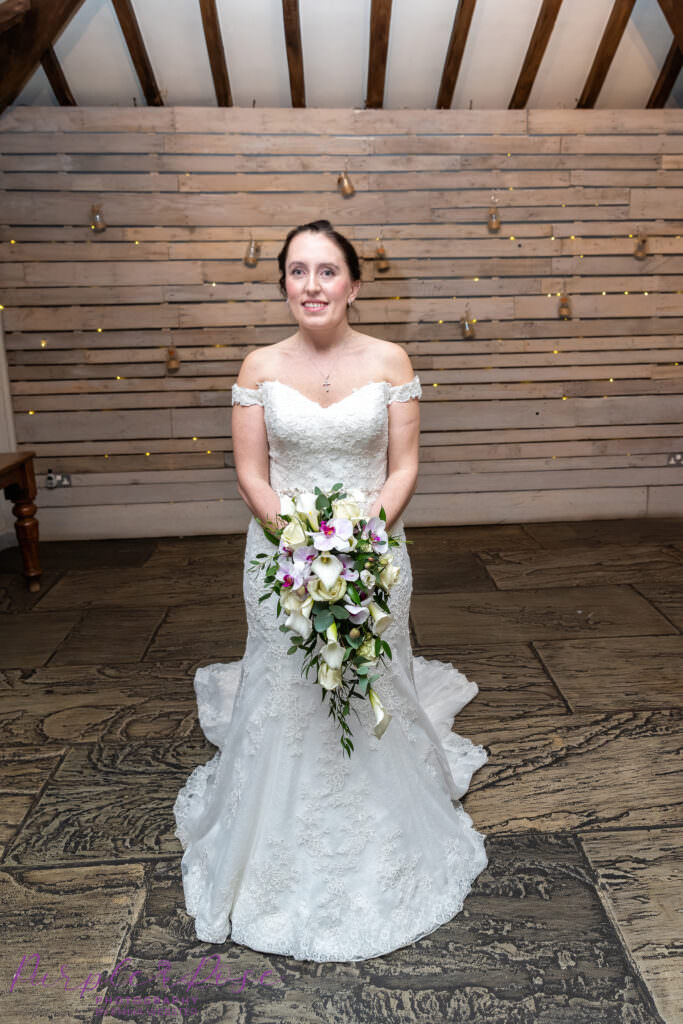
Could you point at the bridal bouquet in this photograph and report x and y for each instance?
(332, 574)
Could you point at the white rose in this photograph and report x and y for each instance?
(319, 592)
(367, 650)
(345, 508)
(329, 678)
(367, 579)
(389, 576)
(293, 535)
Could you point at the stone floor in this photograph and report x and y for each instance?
(573, 632)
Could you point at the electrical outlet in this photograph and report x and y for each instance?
(675, 459)
(53, 480)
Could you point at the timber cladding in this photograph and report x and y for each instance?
(535, 418)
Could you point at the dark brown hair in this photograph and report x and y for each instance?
(322, 227)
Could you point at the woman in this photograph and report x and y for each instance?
(290, 847)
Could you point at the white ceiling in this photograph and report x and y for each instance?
(335, 39)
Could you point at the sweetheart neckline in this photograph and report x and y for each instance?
(339, 401)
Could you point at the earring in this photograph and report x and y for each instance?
(349, 301)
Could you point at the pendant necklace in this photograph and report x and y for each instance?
(326, 383)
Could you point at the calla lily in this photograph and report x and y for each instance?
(382, 717)
(329, 678)
(299, 623)
(327, 568)
(333, 655)
(381, 620)
(286, 505)
(305, 503)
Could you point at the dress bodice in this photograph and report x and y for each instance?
(313, 445)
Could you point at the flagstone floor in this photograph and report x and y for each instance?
(573, 632)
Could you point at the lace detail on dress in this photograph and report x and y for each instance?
(246, 396)
(402, 392)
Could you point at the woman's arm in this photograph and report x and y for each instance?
(250, 449)
(403, 448)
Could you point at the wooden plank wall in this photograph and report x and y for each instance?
(536, 418)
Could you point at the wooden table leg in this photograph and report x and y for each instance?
(26, 528)
(22, 494)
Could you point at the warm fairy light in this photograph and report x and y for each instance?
(213, 284)
(512, 238)
(12, 241)
(439, 321)
(136, 242)
(552, 239)
(549, 295)
(43, 343)
(32, 412)
(118, 378)
(646, 293)
(2, 307)
(208, 451)
(604, 293)
(195, 438)
(556, 351)
(475, 278)
(625, 293)
(573, 237)
(564, 398)
(611, 380)
(148, 454)
(99, 330)
(435, 385)
(106, 456)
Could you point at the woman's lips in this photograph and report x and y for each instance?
(314, 305)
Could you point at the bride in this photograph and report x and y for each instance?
(290, 846)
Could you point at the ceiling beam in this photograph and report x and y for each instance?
(138, 51)
(611, 37)
(454, 54)
(673, 12)
(667, 77)
(380, 22)
(24, 43)
(216, 51)
(545, 23)
(12, 11)
(295, 53)
(57, 79)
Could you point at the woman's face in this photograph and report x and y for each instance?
(318, 281)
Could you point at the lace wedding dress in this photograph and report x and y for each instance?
(290, 846)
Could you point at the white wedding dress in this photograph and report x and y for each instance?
(290, 846)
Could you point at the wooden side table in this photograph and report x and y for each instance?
(19, 484)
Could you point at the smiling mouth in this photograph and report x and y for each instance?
(314, 305)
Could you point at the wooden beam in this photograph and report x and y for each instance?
(380, 21)
(216, 51)
(667, 77)
(614, 30)
(673, 12)
(545, 23)
(454, 55)
(295, 58)
(23, 45)
(138, 51)
(12, 11)
(57, 79)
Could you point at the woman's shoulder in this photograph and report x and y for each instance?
(393, 361)
(260, 364)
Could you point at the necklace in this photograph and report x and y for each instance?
(326, 383)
